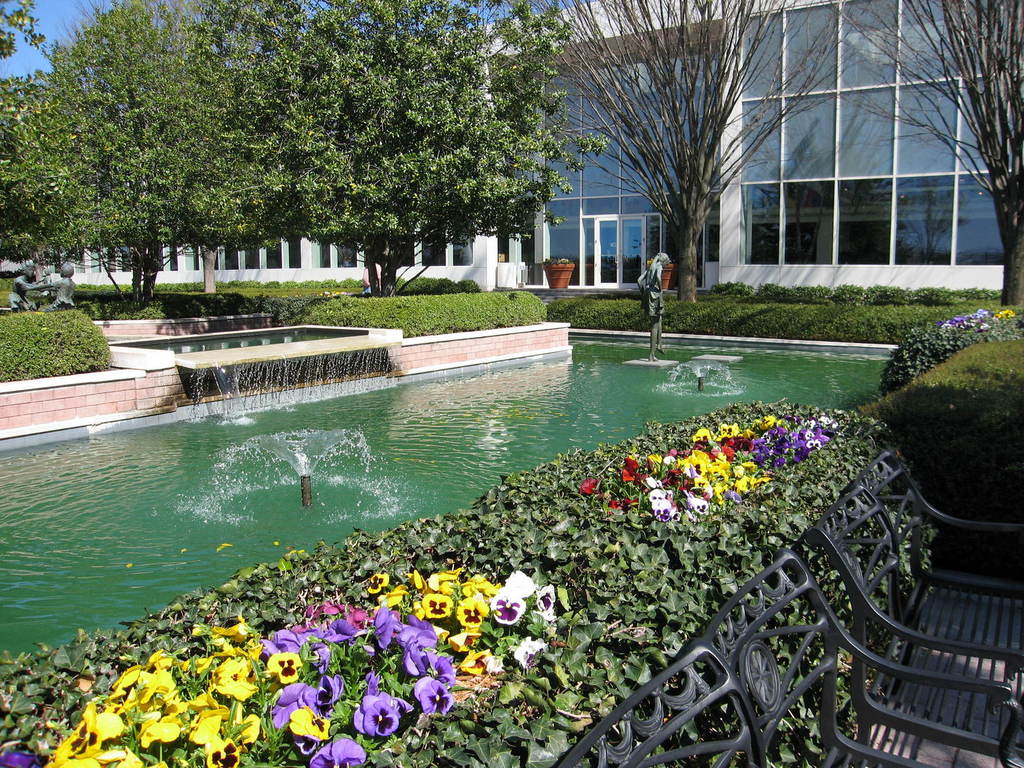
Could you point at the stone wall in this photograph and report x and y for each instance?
(429, 353)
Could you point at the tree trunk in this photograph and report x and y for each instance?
(685, 238)
(137, 259)
(209, 265)
(1013, 272)
(153, 263)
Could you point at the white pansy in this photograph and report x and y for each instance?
(527, 651)
(518, 586)
(652, 482)
(546, 602)
(494, 666)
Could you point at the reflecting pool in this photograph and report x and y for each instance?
(97, 531)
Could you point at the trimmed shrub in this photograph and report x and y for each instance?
(853, 294)
(36, 345)
(959, 426)
(887, 294)
(848, 294)
(428, 315)
(924, 348)
(723, 317)
(732, 289)
(436, 286)
(632, 592)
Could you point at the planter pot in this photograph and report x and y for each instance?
(667, 272)
(558, 275)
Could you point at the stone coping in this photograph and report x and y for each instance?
(467, 335)
(177, 320)
(55, 382)
(754, 342)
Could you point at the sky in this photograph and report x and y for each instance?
(55, 17)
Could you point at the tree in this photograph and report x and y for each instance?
(149, 146)
(16, 18)
(400, 122)
(969, 60)
(688, 91)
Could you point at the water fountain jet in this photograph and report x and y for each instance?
(303, 450)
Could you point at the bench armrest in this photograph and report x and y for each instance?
(959, 522)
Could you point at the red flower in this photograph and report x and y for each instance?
(614, 504)
(588, 486)
(631, 464)
(730, 454)
(629, 473)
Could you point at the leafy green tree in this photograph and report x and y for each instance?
(16, 18)
(396, 122)
(150, 147)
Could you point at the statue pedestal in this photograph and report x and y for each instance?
(653, 363)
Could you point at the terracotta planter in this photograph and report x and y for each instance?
(558, 275)
(666, 275)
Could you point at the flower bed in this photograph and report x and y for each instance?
(628, 594)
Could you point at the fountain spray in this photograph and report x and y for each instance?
(307, 490)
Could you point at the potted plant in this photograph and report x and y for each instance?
(667, 273)
(558, 272)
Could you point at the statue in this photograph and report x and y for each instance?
(63, 290)
(652, 301)
(18, 299)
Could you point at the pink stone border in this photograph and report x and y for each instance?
(424, 354)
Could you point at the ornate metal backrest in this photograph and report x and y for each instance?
(889, 480)
(857, 537)
(693, 713)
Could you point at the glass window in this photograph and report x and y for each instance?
(563, 240)
(763, 44)
(597, 206)
(588, 249)
(924, 220)
(865, 216)
(977, 233)
(433, 254)
(346, 256)
(865, 134)
(252, 258)
(274, 260)
(323, 250)
(923, 113)
(923, 28)
(760, 223)
(636, 204)
(810, 49)
(172, 259)
(231, 258)
(601, 172)
(810, 138)
(763, 163)
(573, 177)
(970, 156)
(295, 253)
(712, 233)
(809, 213)
(868, 43)
(462, 254)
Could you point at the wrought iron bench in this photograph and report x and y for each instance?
(933, 620)
(775, 649)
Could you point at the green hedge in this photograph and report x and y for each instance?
(924, 348)
(427, 315)
(636, 591)
(35, 345)
(853, 294)
(724, 317)
(960, 427)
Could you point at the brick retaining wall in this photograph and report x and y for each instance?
(425, 353)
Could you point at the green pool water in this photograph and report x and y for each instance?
(96, 531)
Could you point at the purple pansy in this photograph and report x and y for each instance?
(379, 715)
(433, 695)
(19, 760)
(343, 753)
(385, 624)
(284, 641)
(331, 688)
(341, 631)
(291, 698)
(506, 609)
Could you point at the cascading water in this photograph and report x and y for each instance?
(229, 391)
(713, 377)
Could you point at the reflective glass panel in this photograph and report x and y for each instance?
(653, 236)
(977, 234)
(763, 45)
(295, 253)
(252, 258)
(866, 130)
(810, 139)
(596, 206)
(868, 43)
(588, 250)
(811, 49)
(712, 233)
(563, 240)
(632, 249)
(346, 256)
(636, 204)
(608, 247)
(762, 163)
(600, 172)
(865, 215)
(231, 258)
(274, 257)
(462, 254)
(924, 220)
(922, 29)
(760, 223)
(924, 112)
(809, 213)
(324, 254)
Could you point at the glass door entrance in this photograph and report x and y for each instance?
(622, 244)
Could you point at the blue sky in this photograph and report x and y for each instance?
(55, 17)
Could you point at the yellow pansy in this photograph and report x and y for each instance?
(654, 458)
(159, 661)
(248, 729)
(206, 728)
(235, 678)
(377, 582)
(719, 468)
(478, 585)
(463, 641)
(127, 679)
(236, 633)
(443, 582)
(475, 662)
(728, 430)
(417, 581)
(222, 754)
(165, 730)
(1005, 314)
(156, 687)
(86, 740)
(702, 435)
(305, 722)
(471, 612)
(124, 758)
(284, 667)
(765, 423)
(436, 606)
(205, 702)
(395, 596)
